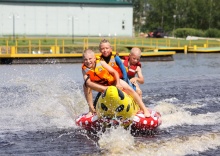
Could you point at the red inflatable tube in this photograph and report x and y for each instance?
(138, 122)
(88, 123)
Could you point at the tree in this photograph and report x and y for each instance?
(138, 14)
(172, 14)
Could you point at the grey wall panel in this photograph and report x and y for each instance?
(65, 20)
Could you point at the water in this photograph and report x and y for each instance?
(38, 105)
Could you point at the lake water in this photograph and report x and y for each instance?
(38, 105)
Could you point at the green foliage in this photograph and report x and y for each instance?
(173, 14)
(184, 32)
(212, 33)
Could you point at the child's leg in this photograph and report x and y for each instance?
(131, 84)
(138, 90)
(136, 97)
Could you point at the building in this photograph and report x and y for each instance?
(66, 18)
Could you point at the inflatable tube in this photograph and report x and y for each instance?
(114, 103)
(89, 123)
(140, 122)
(115, 107)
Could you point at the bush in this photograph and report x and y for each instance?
(212, 33)
(184, 32)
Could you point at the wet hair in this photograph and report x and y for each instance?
(104, 41)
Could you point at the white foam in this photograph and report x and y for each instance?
(51, 103)
(175, 115)
(119, 142)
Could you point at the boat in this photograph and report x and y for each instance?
(116, 108)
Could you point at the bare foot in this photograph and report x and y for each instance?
(89, 114)
(146, 113)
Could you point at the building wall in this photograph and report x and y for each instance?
(44, 19)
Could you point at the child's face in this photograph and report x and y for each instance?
(105, 49)
(89, 60)
(134, 59)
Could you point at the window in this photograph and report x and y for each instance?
(123, 25)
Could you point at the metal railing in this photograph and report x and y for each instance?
(65, 45)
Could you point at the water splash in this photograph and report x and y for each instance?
(41, 104)
(116, 141)
(119, 142)
(176, 115)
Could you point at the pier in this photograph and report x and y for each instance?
(62, 50)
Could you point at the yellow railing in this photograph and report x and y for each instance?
(32, 46)
(68, 46)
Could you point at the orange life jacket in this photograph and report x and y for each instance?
(99, 75)
(114, 65)
(131, 70)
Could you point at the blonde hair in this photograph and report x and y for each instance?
(135, 51)
(88, 51)
(104, 41)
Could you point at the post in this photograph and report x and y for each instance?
(194, 47)
(174, 24)
(185, 49)
(13, 18)
(72, 29)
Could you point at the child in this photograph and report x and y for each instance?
(133, 67)
(98, 75)
(114, 61)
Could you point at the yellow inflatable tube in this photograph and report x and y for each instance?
(116, 103)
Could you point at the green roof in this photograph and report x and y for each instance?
(72, 1)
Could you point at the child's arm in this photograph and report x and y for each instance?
(122, 67)
(125, 76)
(94, 86)
(112, 72)
(136, 98)
(88, 87)
(89, 98)
(140, 78)
(88, 93)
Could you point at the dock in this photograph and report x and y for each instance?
(63, 50)
(154, 55)
(74, 57)
(204, 50)
(185, 49)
